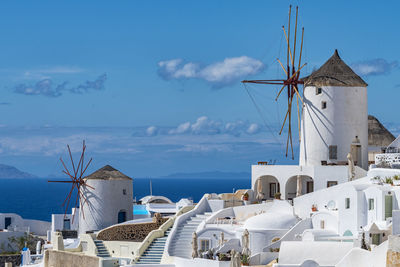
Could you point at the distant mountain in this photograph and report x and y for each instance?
(214, 174)
(7, 171)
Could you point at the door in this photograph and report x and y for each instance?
(7, 222)
(272, 189)
(121, 216)
(388, 206)
(67, 224)
(310, 186)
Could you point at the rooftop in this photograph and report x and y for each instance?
(334, 73)
(108, 173)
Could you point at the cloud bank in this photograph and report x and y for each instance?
(204, 126)
(218, 74)
(373, 67)
(46, 87)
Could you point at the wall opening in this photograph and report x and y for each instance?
(121, 216)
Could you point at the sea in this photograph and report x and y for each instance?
(36, 198)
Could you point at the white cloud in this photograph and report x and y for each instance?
(253, 128)
(205, 126)
(372, 67)
(219, 74)
(151, 131)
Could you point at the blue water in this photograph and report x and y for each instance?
(38, 199)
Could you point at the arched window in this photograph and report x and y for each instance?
(121, 216)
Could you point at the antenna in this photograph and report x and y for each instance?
(291, 81)
(151, 189)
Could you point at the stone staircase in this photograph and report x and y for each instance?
(181, 244)
(154, 252)
(101, 249)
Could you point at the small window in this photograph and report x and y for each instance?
(67, 224)
(371, 204)
(332, 152)
(204, 245)
(124, 191)
(331, 183)
(318, 90)
(323, 104)
(322, 224)
(347, 203)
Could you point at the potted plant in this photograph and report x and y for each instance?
(245, 197)
(277, 195)
(389, 180)
(314, 208)
(245, 260)
(396, 179)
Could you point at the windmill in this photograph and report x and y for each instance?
(77, 181)
(290, 82)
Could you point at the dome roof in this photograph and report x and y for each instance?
(334, 73)
(108, 173)
(270, 221)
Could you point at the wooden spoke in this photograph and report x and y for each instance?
(282, 66)
(280, 91)
(287, 41)
(301, 46)
(298, 94)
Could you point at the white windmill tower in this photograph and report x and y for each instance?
(335, 116)
(107, 200)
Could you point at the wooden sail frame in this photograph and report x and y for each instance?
(291, 82)
(76, 180)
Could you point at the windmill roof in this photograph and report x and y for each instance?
(334, 73)
(108, 173)
(378, 135)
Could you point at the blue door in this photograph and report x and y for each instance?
(121, 216)
(7, 222)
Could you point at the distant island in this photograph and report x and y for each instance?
(212, 174)
(7, 171)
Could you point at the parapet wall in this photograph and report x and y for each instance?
(53, 258)
(131, 232)
(15, 260)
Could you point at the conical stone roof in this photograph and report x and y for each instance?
(108, 173)
(334, 73)
(378, 135)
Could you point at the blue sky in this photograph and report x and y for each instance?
(154, 86)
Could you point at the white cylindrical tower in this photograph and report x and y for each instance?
(109, 196)
(335, 116)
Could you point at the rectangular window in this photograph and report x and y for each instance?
(332, 152)
(371, 204)
(323, 104)
(124, 191)
(331, 183)
(204, 245)
(7, 222)
(347, 203)
(376, 239)
(318, 90)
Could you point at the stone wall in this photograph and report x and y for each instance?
(53, 258)
(131, 232)
(14, 259)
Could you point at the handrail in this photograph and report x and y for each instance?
(158, 232)
(200, 207)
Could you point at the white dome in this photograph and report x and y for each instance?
(269, 221)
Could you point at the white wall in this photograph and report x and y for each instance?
(320, 175)
(4, 242)
(344, 118)
(34, 226)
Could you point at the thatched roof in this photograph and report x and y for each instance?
(378, 135)
(108, 173)
(334, 73)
